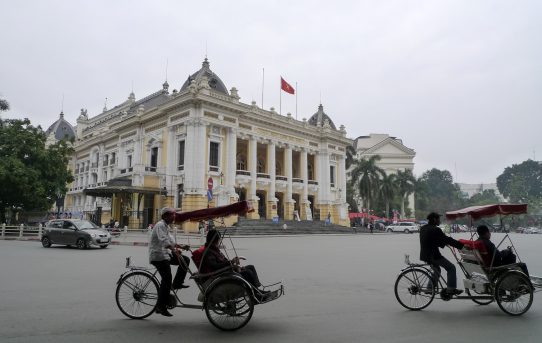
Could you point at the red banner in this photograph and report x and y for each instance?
(285, 86)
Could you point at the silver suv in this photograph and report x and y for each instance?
(406, 227)
(81, 233)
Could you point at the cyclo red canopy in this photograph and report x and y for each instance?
(241, 207)
(477, 212)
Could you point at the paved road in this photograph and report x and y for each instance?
(338, 289)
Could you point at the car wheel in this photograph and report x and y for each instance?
(81, 244)
(390, 230)
(46, 242)
(103, 246)
(406, 231)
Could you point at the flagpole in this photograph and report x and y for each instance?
(296, 91)
(280, 98)
(263, 83)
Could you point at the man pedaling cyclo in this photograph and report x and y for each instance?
(431, 239)
(159, 243)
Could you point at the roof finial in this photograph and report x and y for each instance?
(205, 63)
(62, 105)
(105, 105)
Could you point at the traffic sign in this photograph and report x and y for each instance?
(209, 195)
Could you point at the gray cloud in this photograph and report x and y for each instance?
(458, 81)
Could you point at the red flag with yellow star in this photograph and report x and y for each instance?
(285, 86)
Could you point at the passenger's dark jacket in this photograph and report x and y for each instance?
(214, 260)
(431, 239)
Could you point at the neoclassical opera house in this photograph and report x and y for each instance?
(170, 148)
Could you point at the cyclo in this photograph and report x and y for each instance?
(228, 299)
(508, 285)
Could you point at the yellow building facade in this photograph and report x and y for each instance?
(201, 146)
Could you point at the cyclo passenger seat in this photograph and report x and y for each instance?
(197, 257)
(480, 254)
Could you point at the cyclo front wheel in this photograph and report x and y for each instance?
(229, 305)
(514, 293)
(137, 295)
(414, 289)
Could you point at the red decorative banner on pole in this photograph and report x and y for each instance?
(285, 86)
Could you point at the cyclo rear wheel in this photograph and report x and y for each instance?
(514, 293)
(229, 306)
(137, 295)
(412, 291)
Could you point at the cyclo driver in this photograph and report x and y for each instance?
(431, 239)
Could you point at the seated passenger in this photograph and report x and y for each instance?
(214, 260)
(502, 257)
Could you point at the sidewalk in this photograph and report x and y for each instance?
(194, 240)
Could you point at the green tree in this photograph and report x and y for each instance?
(521, 182)
(388, 190)
(350, 156)
(31, 175)
(485, 197)
(366, 178)
(406, 184)
(353, 206)
(436, 191)
(4, 105)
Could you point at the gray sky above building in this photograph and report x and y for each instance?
(458, 81)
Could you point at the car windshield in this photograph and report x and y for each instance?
(85, 225)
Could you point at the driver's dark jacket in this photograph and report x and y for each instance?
(431, 239)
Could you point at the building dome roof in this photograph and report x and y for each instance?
(214, 81)
(61, 129)
(319, 118)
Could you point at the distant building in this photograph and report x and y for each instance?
(470, 189)
(394, 156)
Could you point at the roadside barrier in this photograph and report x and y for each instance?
(20, 231)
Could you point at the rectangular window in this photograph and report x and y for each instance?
(332, 175)
(113, 157)
(154, 158)
(213, 156)
(129, 161)
(181, 156)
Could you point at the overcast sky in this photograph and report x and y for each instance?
(458, 81)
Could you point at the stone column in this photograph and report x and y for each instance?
(342, 178)
(288, 202)
(323, 183)
(100, 163)
(343, 206)
(231, 161)
(252, 166)
(137, 158)
(305, 177)
(271, 165)
(171, 163)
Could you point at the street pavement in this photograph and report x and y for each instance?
(338, 289)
